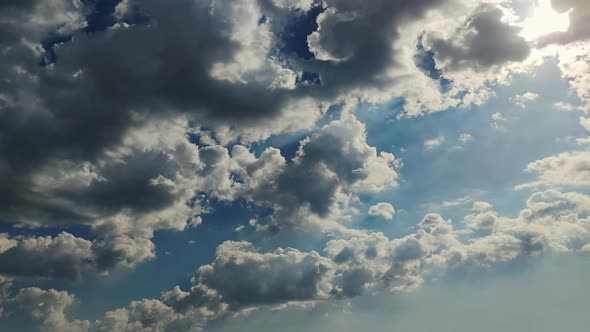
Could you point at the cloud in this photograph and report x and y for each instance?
(485, 40)
(331, 167)
(452, 203)
(244, 278)
(241, 278)
(564, 169)
(95, 138)
(36, 309)
(384, 210)
(131, 130)
(465, 138)
(499, 119)
(433, 143)
(144, 185)
(523, 99)
(483, 220)
(563, 106)
(575, 68)
(579, 12)
(69, 257)
(116, 134)
(479, 206)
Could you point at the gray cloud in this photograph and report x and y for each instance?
(68, 257)
(242, 278)
(484, 41)
(578, 29)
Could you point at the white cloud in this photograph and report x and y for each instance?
(465, 138)
(433, 143)
(498, 121)
(384, 210)
(498, 117)
(479, 206)
(563, 106)
(523, 99)
(564, 169)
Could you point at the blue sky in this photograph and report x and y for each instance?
(294, 165)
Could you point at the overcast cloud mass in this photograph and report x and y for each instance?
(293, 165)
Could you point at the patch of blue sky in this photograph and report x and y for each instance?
(301, 25)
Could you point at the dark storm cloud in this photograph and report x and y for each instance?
(484, 41)
(353, 44)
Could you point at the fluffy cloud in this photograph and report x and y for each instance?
(132, 189)
(384, 210)
(98, 164)
(328, 170)
(574, 64)
(564, 169)
(100, 129)
(483, 42)
(242, 278)
(146, 183)
(86, 136)
(67, 256)
(480, 206)
(36, 309)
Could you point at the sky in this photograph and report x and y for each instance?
(294, 165)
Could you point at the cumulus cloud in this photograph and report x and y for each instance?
(146, 184)
(574, 65)
(131, 129)
(69, 257)
(485, 40)
(242, 278)
(384, 210)
(330, 167)
(116, 153)
(479, 206)
(36, 309)
(91, 146)
(564, 169)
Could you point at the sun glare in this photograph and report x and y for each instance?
(544, 21)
